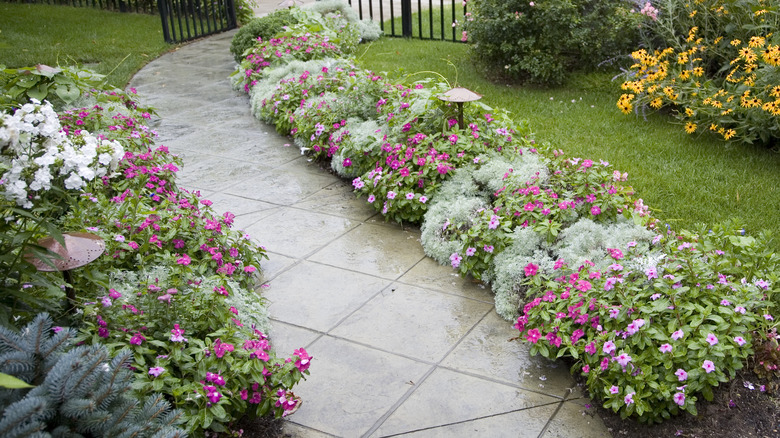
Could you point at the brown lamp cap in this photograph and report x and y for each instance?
(79, 249)
(459, 94)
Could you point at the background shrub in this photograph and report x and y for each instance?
(540, 41)
(263, 27)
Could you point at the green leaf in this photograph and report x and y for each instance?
(11, 382)
(68, 93)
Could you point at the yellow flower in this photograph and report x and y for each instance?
(730, 133)
(726, 112)
(749, 68)
(624, 103)
(713, 127)
(692, 14)
(684, 75)
(757, 41)
(775, 91)
(689, 112)
(698, 71)
(682, 58)
(717, 40)
(690, 127)
(692, 32)
(656, 103)
(735, 43)
(760, 11)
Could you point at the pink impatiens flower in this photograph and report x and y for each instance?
(677, 335)
(666, 348)
(533, 336)
(679, 398)
(177, 334)
(304, 360)
(681, 375)
(494, 222)
(531, 270)
(614, 389)
(711, 339)
(156, 371)
(137, 339)
(184, 260)
(740, 340)
(629, 398)
(608, 347)
(623, 359)
(708, 366)
(455, 260)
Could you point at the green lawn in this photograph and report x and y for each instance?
(684, 179)
(106, 42)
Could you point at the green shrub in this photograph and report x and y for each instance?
(263, 27)
(541, 41)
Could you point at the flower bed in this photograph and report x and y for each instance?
(572, 253)
(176, 286)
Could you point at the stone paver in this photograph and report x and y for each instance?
(401, 345)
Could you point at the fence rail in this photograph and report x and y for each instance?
(421, 19)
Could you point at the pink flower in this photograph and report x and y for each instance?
(494, 222)
(740, 340)
(531, 270)
(177, 334)
(423, 199)
(132, 245)
(608, 347)
(156, 371)
(629, 398)
(488, 248)
(586, 369)
(583, 285)
(708, 366)
(212, 394)
(711, 339)
(410, 196)
(677, 335)
(137, 339)
(455, 260)
(533, 336)
(614, 389)
(391, 195)
(681, 375)
(371, 199)
(304, 360)
(679, 398)
(471, 251)
(595, 210)
(184, 260)
(221, 348)
(666, 348)
(623, 359)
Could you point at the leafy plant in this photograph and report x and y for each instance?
(265, 27)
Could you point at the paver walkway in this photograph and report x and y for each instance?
(401, 345)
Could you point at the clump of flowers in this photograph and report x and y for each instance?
(651, 335)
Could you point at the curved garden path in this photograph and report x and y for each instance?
(401, 345)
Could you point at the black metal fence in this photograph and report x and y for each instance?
(423, 19)
(138, 6)
(184, 20)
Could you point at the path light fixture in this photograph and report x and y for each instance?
(80, 249)
(460, 95)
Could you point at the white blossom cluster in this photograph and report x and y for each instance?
(35, 153)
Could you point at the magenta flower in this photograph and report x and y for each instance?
(177, 334)
(711, 339)
(739, 309)
(221, 348)
(595, 210)
(156, 371)
(212, 394)
(137, 339)
(740, 340)
(586, 369)
(679, 398)
(132, 245)
(681, 375)
(608, 347)
(103, 332)
(455, 259)
(666, 348)
(410, 196)
(623, 359)
(488, 248)
(533, 336)
(708, 366)
(614, 389)
(304, 360)
(583, 285)
(629, 398)
(531, 270)
(184, 260)
(347, 162)
(114, 294)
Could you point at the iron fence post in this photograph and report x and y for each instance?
(406, 18)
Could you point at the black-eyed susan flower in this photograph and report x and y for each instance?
(730, 133)
(757, 41)
(690, 127)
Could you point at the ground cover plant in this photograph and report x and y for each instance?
(653, 316)
(109, 43)
(175, 287)
(714, 65)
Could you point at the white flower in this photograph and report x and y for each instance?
(74, 182)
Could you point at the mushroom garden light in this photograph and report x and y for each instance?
(460, 95)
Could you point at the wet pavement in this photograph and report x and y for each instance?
(402, 346)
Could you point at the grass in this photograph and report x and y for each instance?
(113, 43)
(685, 179)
